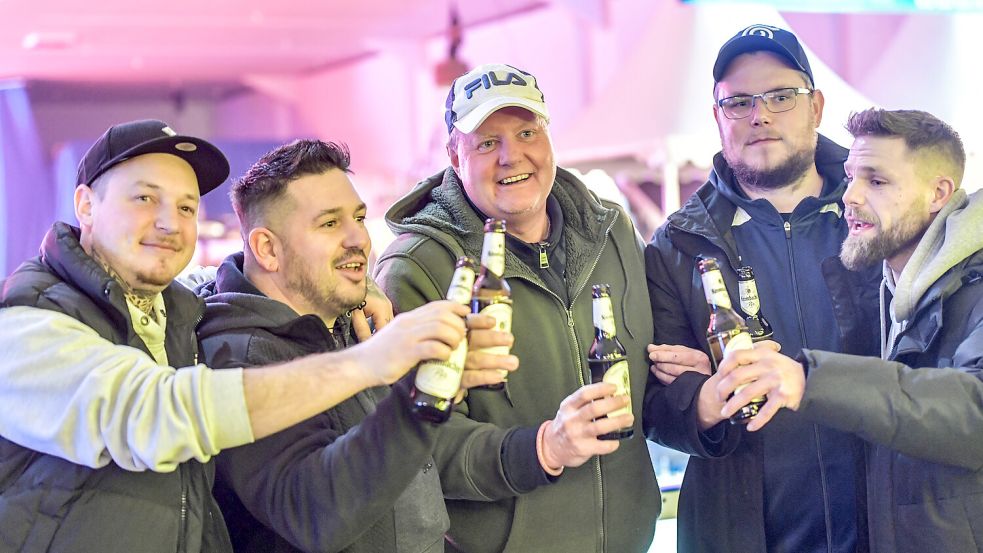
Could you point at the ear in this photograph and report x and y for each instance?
(265, 248)
(817, 104)
(455, 159)
(942, 189)
(84, 198)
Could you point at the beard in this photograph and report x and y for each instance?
(859, 252)
(776, 177)
(321, 293)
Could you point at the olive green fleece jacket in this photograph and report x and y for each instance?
(609, 504)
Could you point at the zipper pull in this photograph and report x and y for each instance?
(544, 262)
(788, 229)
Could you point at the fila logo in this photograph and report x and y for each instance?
(490, 79)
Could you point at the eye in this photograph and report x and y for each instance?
(331, 223)
(528, 133)
(877, 182)
(143, 198)
(360, 218)
(188, 209)
(486, 145)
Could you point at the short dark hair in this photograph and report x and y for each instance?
(266, 181)
(920, 130)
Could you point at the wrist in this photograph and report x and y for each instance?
(545, 459)
(707, 407)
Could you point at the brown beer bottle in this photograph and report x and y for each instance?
(607, 359)
(437, 382)
(757, 326)
(727, 329)
(492, 295)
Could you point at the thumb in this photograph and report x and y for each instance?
(361, 325)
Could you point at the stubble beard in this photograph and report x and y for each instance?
(324, 297)
(858, 252)
(774, 178)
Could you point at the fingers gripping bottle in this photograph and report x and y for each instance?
(437, 382)
(492, 295)
(607, 357)
(727, 330)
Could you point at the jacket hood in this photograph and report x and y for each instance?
(830, 157)
(437, 208)
(952, 237)
(233, 303)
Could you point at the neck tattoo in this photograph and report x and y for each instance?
(141, 300)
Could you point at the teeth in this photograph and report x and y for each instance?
(350, 266)
(516, 178)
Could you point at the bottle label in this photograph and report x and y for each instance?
(618, 375)
(461, 284)
(748, 291)
(604, 315)
(493, 252)
(715, 290)
(443, 378)
(741, 340)
(502, 312)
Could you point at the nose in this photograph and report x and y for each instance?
(167, 219)
(507, 152)
(357, 236)
(759, 113)
(853, 195)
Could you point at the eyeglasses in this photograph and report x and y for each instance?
(777, 101)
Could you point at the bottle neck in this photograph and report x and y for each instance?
(604, 317)
(715, 290)
(493, 253)
(461, 285)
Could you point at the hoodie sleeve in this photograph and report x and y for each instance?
(929, 413)
(319, 486)
(70, 393)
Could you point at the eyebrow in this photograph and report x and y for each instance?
(159, 188)
(337, 210)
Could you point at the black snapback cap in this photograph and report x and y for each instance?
(150, 136)
(763, 37)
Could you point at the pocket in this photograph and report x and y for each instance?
(942, 525)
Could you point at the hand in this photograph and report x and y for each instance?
(377, 307)
(668, 361)
(428, 332)
(571, 438)
(483, 368)
(765, 373)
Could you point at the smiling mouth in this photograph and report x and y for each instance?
(515, 179)
(169, 247)
(351, 266)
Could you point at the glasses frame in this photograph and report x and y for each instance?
(795, 92)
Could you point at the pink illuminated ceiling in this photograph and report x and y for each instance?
(216, 40)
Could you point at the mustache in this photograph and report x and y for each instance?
(350, 255)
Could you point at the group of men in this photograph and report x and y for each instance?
(288, 423)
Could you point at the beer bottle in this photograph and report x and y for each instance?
(492, 295)
(757, 326)
(437, 382)
(727, 329)
(607, 359)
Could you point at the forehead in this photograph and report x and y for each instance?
(165, 173)
(507, 117)
(332, 189)
(756, 72)
(878, 153)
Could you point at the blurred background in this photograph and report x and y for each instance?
(628, 83)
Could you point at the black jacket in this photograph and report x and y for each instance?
(356, 478)
(793, 485)
(921, 412)
(50, 505)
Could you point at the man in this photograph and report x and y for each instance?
(358, 477)
(919, 406)
(501, 456)
(772, 202)
(104, 443)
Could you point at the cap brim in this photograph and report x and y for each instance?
(751, 43)
(477, 116)
(208, 162)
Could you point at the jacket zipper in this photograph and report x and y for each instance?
(815, 428)
(581, 377)
(182, 527)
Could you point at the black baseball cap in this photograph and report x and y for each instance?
(762, 37)
(150, 136)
